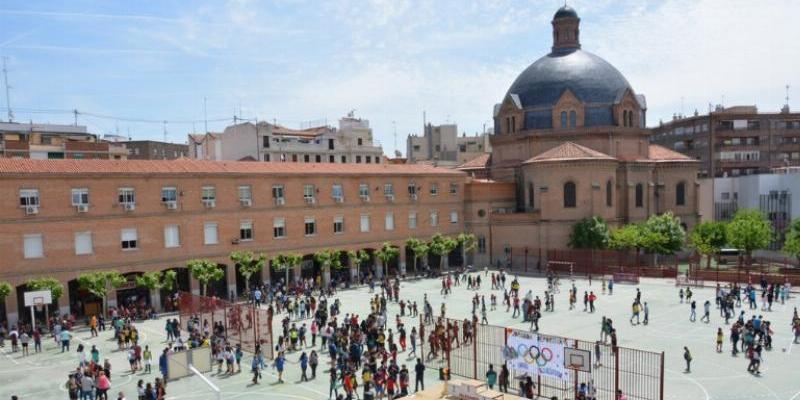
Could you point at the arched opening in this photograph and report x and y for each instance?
(81, 301)
(242, 284)
(219, 288)
(278, 274)
(570, 200)
(630, 118)
(132, 297)
(182, 284)
(639, 195)
(609, 194)
(309, 267)
(624, 117)
(563, 119)
(573, 119)
(680, 194)
(455, 259)
(392, 267)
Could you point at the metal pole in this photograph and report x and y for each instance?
(616, 369)
(33, 319)
(475, 353)
(661, 381)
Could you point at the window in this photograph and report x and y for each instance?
(680, 194)
(344, 159)
(29, 197)
(279, 228)
(434, 189)
(172, 236)
(389, 221)
(127, 196)
(80, 197)
(412, 220)
(33, 246)
(338, 192)
(434, 218)
(364, 223)
(481, 244)
(129, 239)
(209, 193)
(277, 192)
(308, 193)
(338, 224)
(363, 191)
(360, 141)
(83, 243)
(246, 230)
(306, 158)
(311, 226)
(210, 235)
(563, 119)
(573, 119)
(569, 195)
(369, 159)
(609, 193)
(639, 195)
(245, 194)
(331, 159)
(453, 188)
(725, 195)
(624, 117)
(388, 189)
(169, 194)
(318, 158)
(358, 159)
(412, 189)
(453, 217)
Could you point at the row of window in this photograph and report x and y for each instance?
(570, 195)
(318, 158)
(29, 198)
(129, 237)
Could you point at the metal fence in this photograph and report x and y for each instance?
(582, 262)
(244, 323)
(638, 373)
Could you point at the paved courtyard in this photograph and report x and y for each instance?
(714, 375)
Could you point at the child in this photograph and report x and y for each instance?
(148, 359)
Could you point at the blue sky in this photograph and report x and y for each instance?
(298, 61)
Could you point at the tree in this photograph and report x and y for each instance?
(249, 263)
(205, 271)
(626, 238)
(168, 279)
(386, 253)
(285, 262)
(663, 234)
(589, 233)
(328, 259)
(419, 248)
(748, 231)
(468, 243)
(52, 284)
(442, 245)
(708, 238)
(358, 257)
(792, 244)
(100, 283)
(5, 290)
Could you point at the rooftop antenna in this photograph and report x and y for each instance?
(205, 113)
(8, 95)
(787, 95)
(165, 131)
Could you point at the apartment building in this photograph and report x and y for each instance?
(442, 144)
(51, 141)
(735, 141)
(155, 150)
(351, 143)
(61, 218)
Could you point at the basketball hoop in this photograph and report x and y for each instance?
(38, 303)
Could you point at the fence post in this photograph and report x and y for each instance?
(575, 371)
(447, 344)
(616, 369)
(422, 338)
(661, 387)
(475, 344)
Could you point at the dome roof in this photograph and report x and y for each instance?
(565, 12)
(590, 78)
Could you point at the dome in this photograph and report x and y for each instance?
(590, 78)
(565, 12)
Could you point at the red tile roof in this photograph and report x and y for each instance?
(479, 162)
(569, 151)
(15, 166)
(660, 153)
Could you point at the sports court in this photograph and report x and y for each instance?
(714, 375)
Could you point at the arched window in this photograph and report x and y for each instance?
(680, 194)
(573, 119)
(609, 195)
(639, 195)
(569, 195)
(630, 118)
(531, 189)
(563, 119)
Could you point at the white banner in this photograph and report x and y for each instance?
(527, 353)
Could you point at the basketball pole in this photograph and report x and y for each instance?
(33, 318)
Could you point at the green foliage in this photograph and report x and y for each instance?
(168, 279)
(708, 238)
(285, 261)
(387, 252)
(99, 283)
(5, 290)
(329, 258)
(589, 233)
(358, 257)
(663, 234)
(466, 241)
(249, 263)
(792, 244)
(52, 284)
(626, 238)
(749, 230)
(442, 245)
(419, 247)
(205, 271)
(150, 280)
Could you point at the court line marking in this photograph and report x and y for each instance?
(692, 380)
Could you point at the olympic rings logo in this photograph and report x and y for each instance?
(531, 355)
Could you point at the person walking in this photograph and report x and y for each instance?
(646, 314)
(720, 338)
(256, 365)
(419, 375)
(279, 364)
(491, 377)
(706, 312)
(635, 312)
(693, 312)
(687, 356)
(505, 377)
(313, 361)
(303, 367)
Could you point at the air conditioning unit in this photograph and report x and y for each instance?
(338, 199)
(209, 203)
(82, 208)
(235, 241)
(171, 205)
(246, 202)
(128, 206)
(31, 210)
(365, 198)
(280, 201)
(390, 197)
(414, 196)
(311, 200)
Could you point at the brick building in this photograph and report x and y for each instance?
(735, 141)
(155, 150)
(61, 218)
